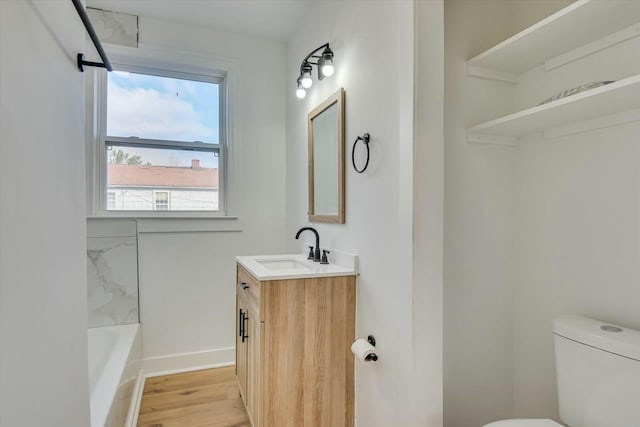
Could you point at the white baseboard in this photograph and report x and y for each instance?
(134, 408)
(176, 363)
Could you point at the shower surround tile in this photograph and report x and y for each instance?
(112, 273)
(115, 27)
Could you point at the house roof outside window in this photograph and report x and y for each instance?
(122, 175)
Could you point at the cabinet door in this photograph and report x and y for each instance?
(307, 379)
(241, 345)
(253, 368)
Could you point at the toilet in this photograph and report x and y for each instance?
(598, 375)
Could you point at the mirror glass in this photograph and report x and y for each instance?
(326, 161)
(325, 157)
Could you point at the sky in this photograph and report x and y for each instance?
(163, 108)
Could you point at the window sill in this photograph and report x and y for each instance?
(177, 224)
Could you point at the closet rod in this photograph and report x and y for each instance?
(94, 38)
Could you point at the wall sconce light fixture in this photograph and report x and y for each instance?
(324, 63)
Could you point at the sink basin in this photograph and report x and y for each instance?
(282, 264)
(297, 266)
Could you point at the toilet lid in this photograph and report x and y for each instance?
(524, 423)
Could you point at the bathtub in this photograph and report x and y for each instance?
(115, 374)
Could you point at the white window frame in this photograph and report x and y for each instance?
(155, 200)
(101, 94)
(115, 198)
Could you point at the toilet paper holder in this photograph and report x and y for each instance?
(373, 356)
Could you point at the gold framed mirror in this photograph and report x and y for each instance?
(326, 160)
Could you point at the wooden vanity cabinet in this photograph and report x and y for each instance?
(294, 365)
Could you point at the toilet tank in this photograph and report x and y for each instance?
(598, 372)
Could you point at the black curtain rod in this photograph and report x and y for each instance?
(94, 38)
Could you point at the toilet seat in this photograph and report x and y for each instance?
(525, 423)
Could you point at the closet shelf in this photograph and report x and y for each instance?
(619, 97)
(579, 29)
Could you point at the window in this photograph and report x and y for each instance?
(111, 200)
(161, 200)
(163, 147)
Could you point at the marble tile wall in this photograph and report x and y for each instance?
(114, 27)
(112, 273)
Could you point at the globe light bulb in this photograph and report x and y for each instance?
(305, 75)
(301, 93)
(326, 62)
(306, 82)
(327, 70)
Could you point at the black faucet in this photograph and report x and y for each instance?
(316, 256)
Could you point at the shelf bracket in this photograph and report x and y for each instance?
(491, 74)
(488, 139)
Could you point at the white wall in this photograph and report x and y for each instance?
(186, 267)
(578, 232)
(428, 206)
(479, 221)
(525, 13)
(43, 295)
(373, 44)
(550, 227)
(579, 247)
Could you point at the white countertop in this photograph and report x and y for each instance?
(340, 264)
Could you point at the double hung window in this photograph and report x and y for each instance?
(163, 143)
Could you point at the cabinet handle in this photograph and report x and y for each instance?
(244, 285)
(241, 324)
(244, 327)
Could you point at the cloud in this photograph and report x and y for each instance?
(149, 113)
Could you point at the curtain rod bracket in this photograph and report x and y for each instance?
(94, 38)
(82, 63)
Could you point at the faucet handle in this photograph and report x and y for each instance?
(310, 253)
(325, 260)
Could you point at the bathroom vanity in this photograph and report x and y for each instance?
(295, 322)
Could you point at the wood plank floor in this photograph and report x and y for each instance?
(208, 398)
